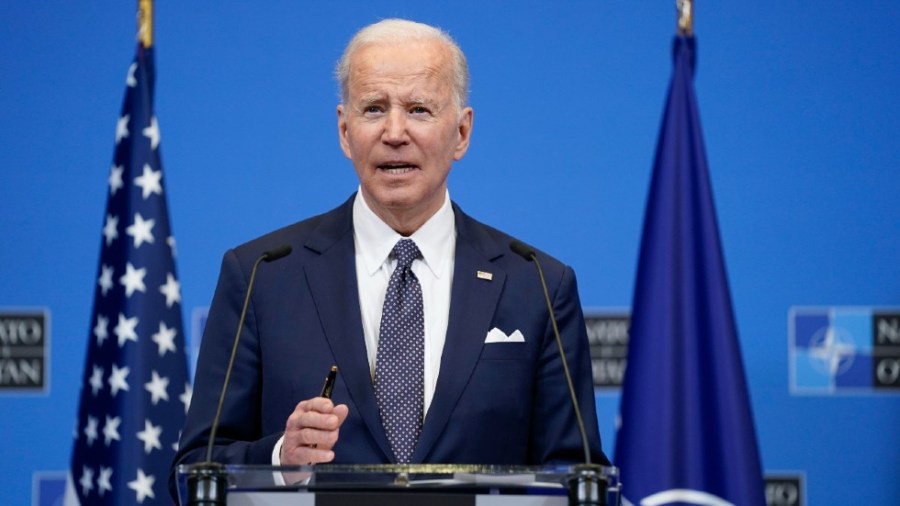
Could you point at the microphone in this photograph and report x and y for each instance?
(584, 488)
(276, 254)
(525, 251)
(207, 480)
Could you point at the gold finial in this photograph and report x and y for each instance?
(685, 17)
(145, 22)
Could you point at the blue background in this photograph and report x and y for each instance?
(800, 110)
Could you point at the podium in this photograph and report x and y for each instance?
(402, 485)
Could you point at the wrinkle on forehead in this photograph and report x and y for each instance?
(370, 78)
(429, 94)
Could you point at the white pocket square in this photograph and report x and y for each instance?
(498, 336)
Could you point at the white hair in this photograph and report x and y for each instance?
(402, 30)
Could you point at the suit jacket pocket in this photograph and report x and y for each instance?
(504, 351)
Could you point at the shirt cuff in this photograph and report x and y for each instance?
(276, 461)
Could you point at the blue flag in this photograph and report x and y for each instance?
(687, 434)
(135, 390)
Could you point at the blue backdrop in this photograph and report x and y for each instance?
(800, 111)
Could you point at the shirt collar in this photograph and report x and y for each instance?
(436, 238)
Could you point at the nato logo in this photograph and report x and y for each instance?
(844, 350)
(785, 489)
(608, 337)
(24, 350)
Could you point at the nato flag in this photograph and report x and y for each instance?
(687, 434)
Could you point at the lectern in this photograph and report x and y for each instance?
(406, 485)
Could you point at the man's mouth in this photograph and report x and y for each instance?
(397, 167)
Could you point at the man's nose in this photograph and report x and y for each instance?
(395, 132)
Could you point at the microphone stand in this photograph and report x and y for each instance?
(587, 485)
(207, 481)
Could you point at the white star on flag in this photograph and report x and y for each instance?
(111, 229)
(122, 128)
(111, 430)
(143, 486)
(117, 379)
(152, 133)
(171, 242)
(149, 182)
(100, 330)
(185, 397)
(172, 290)
(150, 436)
(165, 338)
(133, 280)
(115, 179)
(105, 280)
(141, 230)
(125, 329)
(130, 81)
(87, 480)
(103, 484)
(90, 431)
(158, 388)
(96, 380)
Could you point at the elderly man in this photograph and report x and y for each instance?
(441, 335)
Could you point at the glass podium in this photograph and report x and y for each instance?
(397, 485)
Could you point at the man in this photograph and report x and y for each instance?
(440, 333)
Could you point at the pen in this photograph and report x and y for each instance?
(329, 383)
(328, 387)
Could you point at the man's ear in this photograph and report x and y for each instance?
(464, 129)
(342, 130)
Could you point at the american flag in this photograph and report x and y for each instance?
(135, 390)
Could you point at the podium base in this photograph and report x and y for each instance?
(206, 484)
(587, 486)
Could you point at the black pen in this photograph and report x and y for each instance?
(328, 387)
(329, 383)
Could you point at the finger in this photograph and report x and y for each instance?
(318, 438)
(310, 413)
(313, 438)
(307, 433)
(341, 411)
(314, 420)
(305, 455)
(320, 404)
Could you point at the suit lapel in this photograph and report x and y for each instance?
(472, 305)
(333, 286)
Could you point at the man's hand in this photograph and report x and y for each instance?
(312, 431)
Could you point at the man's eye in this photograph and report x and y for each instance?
(372, 109)
(419, 110)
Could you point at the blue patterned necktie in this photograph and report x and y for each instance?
(399, 365)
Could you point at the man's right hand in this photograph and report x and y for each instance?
(312, 431)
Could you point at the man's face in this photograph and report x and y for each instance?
(402, 130)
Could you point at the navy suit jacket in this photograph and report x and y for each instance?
(499, 403)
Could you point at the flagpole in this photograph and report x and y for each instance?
(685, 10)
(145, 23)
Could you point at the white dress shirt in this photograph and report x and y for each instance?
(374, 240)
(436, 239)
